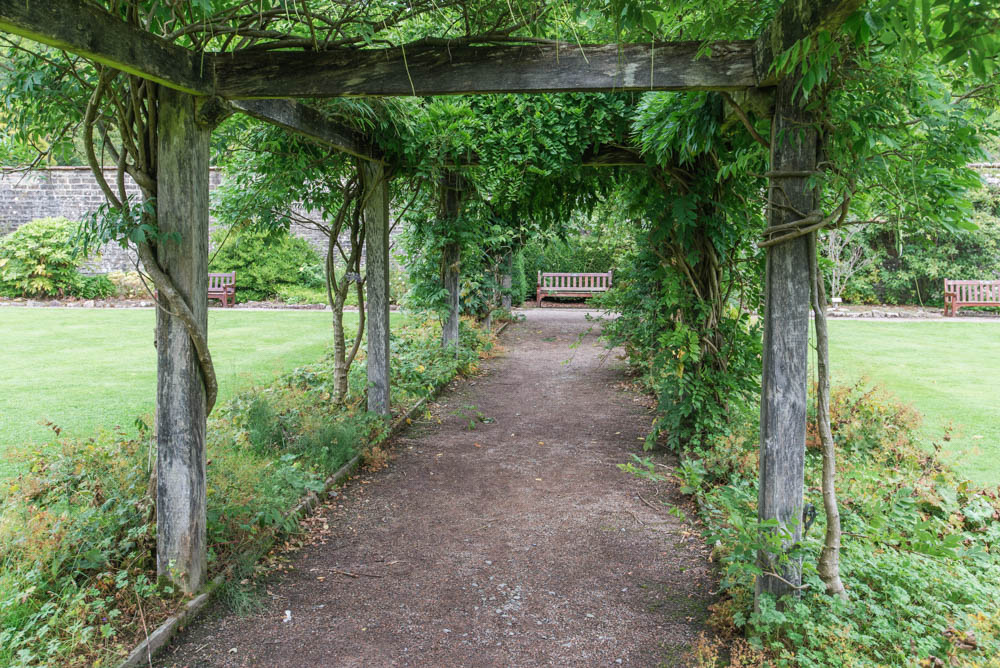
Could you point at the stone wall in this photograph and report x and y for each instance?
(73, 193)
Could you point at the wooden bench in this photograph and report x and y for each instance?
(571, 285)
(223, 288)
(969, 293)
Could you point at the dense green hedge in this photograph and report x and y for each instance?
(577, 253)
(266, 262)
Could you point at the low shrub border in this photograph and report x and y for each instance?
(61, 602)
(159, 638)
(920, 556)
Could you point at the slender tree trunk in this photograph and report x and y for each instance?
(505, 282)
(452, 259)
(829, 558)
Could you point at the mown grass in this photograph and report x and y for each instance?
(83, 369)
(948, 370)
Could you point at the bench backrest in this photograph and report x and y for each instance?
(974, 291)
(571, 282)
(219, 281)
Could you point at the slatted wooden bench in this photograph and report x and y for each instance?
(223, 288)
(969, 293)
(571, 285)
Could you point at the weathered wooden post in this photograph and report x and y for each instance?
(505, 281)
(377, 283)
(182, 211)
(786, 338)
(451, 202)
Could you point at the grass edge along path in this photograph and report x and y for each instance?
(84, 369)
(948, 370)
(77, 534)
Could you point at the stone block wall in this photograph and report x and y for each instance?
(73, 193)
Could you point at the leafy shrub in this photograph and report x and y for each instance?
(266, 262)
(129, 285)
(93, 287)
(520, 288)
(910, 267)
(298, 294)
(37, 259)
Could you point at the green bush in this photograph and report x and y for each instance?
(519, 284)
(266, 262)
(910, 266)
(583, 252)
(93, 287)
(37, 260)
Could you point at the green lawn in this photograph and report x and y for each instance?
(87, 368)
(949, 371)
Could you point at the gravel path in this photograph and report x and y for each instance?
(516, 543)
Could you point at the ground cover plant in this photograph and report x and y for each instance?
(920, 556)
(77, 533)
(82, 369)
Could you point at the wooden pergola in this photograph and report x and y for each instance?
(198, 88)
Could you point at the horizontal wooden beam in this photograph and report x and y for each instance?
(87, 30)
(442, 70)
(795, 20)
(310, 123)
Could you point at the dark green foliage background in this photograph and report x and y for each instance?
(265, 261)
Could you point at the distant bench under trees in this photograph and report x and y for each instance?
(969, 293)
(571, 285)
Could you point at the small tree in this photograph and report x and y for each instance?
(846, 254)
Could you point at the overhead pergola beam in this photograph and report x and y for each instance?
(309, 123)
(795, 20)
(444, 70)
(89, 31)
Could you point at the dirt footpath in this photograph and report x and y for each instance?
(514, 543)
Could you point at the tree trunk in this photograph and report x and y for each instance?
(829, 558)
(182, 208)
(376, 212)
(451, 257)
(506, 281)
(786, 343)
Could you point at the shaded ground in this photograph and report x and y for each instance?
(516, 543)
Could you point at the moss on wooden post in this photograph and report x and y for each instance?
(182, 215)
(377, 282)
(786, 339)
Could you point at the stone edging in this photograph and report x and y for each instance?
(144, 652)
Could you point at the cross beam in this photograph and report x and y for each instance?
(443, 70)
(309, 123)
(86, 30)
